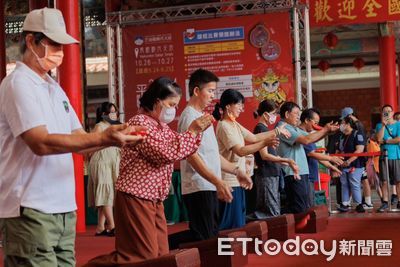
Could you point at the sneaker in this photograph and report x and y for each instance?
(360, 208)
(170, 222)
(394, 199)
(383, 207)
(343, 208)
(368, 206)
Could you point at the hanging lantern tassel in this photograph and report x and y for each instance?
(323, 65)
(331, 40)
(358, 63)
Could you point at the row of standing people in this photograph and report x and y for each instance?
(39, 130)
(146, 168)
(353, 183)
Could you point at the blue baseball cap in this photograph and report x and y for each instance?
(346, 112)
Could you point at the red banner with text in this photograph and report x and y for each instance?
(252, 54)
(337, 12)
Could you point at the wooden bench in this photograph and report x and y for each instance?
(281, 227)
(256, 229)
(208, 250)
(177, 258)
(312, 221)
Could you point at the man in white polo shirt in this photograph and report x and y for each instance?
(38, 131)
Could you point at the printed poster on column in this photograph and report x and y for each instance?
(252, 54)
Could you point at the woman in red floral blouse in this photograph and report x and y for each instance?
(145, 175)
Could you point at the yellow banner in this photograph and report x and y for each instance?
(213, 47)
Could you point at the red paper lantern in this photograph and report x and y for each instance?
(331, 40)
(358, 63)
(323, 65)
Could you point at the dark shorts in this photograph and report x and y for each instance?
(394, 171)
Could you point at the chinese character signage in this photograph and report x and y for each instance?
(335, 12)
(251, 54)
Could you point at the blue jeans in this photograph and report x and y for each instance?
(351, 182)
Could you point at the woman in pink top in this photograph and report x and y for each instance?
(145, 176)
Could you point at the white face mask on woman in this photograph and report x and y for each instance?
(167, 114)
(272, 118)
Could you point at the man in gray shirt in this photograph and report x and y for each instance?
(297, 186)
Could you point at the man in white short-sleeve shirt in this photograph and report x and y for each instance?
(38, 131)
(201, 172)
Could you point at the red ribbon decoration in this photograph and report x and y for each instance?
(364, 154)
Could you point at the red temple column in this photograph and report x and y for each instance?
(37, 4)
(69, 75)
(387, 68)
(3, 59)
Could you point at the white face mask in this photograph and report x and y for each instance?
(342, 127)
(272, 118)
(167, 114)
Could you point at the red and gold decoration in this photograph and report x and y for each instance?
(342, 12)
(271, 85)
(331, 40)
(323, 65)
(358, 63)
